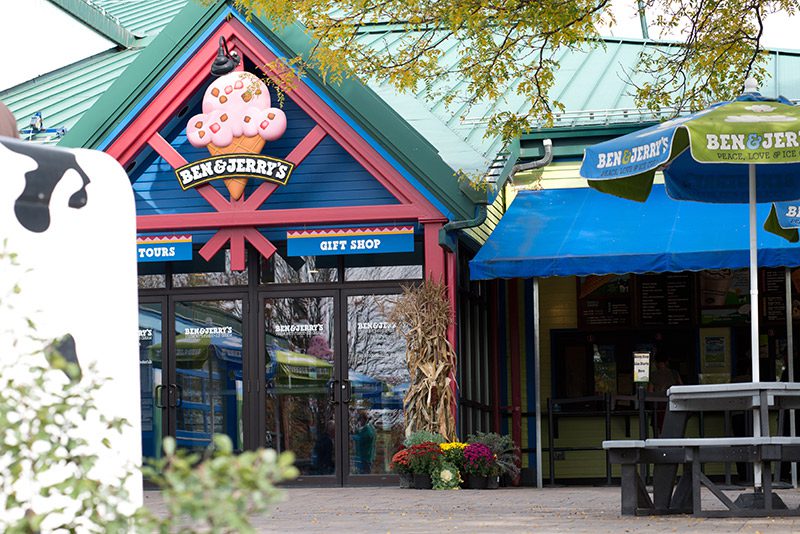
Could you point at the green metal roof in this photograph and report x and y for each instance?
(146, 17)
(64, 95)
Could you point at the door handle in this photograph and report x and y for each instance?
(179, 398)
(159, 396)
(332, 391)
(346, 390)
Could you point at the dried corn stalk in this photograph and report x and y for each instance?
(422, 316)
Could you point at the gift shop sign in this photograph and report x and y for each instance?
(163, 248)
(255, 166)
(350, 241)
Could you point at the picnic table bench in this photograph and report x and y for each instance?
(691, 453)
(672, 449)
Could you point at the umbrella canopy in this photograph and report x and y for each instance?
(715, 156)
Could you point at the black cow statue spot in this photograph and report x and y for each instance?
(32, 208)
(65, 348)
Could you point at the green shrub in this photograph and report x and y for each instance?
(218, 491)
(422, 436)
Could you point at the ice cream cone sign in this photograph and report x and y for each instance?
(237, 119)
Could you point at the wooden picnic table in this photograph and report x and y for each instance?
(684, 401)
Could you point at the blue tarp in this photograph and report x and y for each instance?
(562, 232)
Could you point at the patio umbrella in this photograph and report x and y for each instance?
(743, 151)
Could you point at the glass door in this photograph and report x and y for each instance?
(377, 380)
(152, 379)
(205, 392)
(300, 378)
(191, 378)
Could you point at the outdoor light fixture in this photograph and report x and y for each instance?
(225, 61)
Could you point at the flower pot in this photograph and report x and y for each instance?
(406, 480)
(422, 481)
(493, 482)
(477, 481)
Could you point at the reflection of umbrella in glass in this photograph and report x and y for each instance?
(711, 156)
(364, 386)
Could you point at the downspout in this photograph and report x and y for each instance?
(481, 208)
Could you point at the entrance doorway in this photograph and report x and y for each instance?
(335, 381)
(320, 372)
(192, 377)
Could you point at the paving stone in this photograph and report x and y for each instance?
(591, 510)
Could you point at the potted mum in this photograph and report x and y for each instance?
(478, 465)
(453, 453)
(423, 458)
(506, 456)
(400, 466)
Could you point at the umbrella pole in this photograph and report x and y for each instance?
(754, 352)
(790, 359)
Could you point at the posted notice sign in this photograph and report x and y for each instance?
(350, 241)
(641, 367)
(163, 248)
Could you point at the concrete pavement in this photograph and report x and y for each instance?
(592, 510)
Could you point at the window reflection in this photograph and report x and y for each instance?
(398, 266)
(379, 379)
(299, 414)
(208, 373)
(202, 273)
(282, 269)
(150, 328)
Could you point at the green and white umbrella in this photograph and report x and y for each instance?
(743, 151)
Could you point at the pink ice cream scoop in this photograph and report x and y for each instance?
(236, 119)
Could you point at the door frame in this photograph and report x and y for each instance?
(169, 362)
(260, 361)
(340, 295)
(344, 293)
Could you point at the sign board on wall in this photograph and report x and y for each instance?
(163, 248)
(350, 241)
(641, 367)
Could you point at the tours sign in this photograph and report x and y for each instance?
(163, 248)
(330, 242)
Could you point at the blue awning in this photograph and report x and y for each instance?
(562, 232)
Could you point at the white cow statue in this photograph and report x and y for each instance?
(69, 217)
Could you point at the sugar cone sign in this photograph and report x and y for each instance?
(237, 119)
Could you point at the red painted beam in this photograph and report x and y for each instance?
(166, 104)
(175, 160)
(261, 243)
(296, 156)
(306, 216)
(434, 253)
(213, 245)
(516, 370)
(494, 370)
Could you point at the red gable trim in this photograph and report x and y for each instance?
(194, 74)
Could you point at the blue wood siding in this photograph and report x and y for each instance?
(328, 177)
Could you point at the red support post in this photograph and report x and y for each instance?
(434, 253)
(514, 350)
(494, 371)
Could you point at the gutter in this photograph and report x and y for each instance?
(481, 204)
